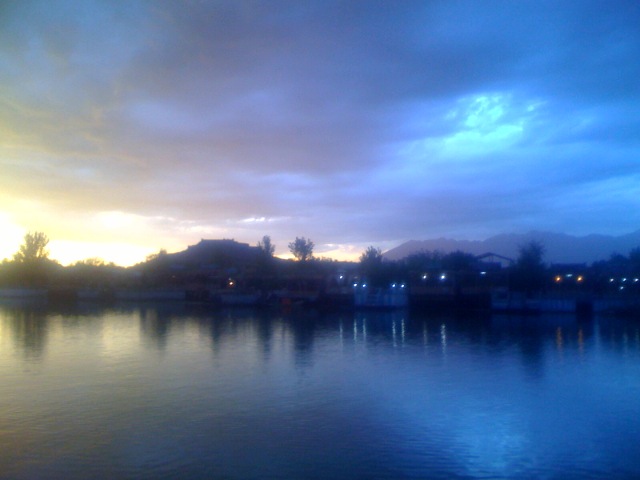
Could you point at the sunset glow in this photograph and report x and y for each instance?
(127, 127)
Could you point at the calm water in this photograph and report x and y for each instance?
(179, 391)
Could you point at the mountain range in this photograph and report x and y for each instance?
(558, 247)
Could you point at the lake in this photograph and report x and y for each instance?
(182, 391)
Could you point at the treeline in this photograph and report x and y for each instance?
(32, 267)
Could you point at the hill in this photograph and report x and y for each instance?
(559, 247)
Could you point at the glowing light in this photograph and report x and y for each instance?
(11, 238)
(580, 278)
(68, 252)
(558, 278)
(443, 277)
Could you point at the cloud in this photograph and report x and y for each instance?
(352, 123)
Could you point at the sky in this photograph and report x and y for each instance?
(127, 127)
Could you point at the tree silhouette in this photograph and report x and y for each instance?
(529, 271)
(267, 248)
(371, 256)
(157, 257)
(458, 261)
(302, 249)
(31, 264)
(372, 267)
(34, 248)
(634, 260)
(90, 262)
(530, 255)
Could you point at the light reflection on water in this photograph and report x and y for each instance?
(161, 391)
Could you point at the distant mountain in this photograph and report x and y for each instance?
(559, 247)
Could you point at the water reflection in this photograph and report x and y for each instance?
(29, 329)
(180, 390)
(155, 325)
(30, 326)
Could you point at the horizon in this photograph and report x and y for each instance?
(54, 249)
(126, 128)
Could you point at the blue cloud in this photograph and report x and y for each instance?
(349, 122)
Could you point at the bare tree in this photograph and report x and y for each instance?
(302, 249)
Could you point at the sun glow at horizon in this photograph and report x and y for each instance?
(68, 252)
(122, 254)
(11, 238)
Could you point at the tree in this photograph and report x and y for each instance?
(91, 272)
(32, 266)
(529, 271)
(302, 249)
(34, 248)
(371, 256)
(634, 260)
(420, 262)
(91, 262)
(157, 257)
(530, 255)
(373, 268)
(267, 248)
(458, 261)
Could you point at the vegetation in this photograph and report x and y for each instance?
(458, 261)
(157, 257)
(374, 269)
(302, 249)
(91, 273)
(92, 262)
(372, 256)
(256, 268)
(33, 249)
(266, 247)
(31, 265)
(529, 273)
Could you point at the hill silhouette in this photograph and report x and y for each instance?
(559, 247)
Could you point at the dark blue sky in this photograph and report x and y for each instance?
(126, 127)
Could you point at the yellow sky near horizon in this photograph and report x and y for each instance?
(124, 253)
(11, 236)
(130, 127)
(67, 252)
(71, 241)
